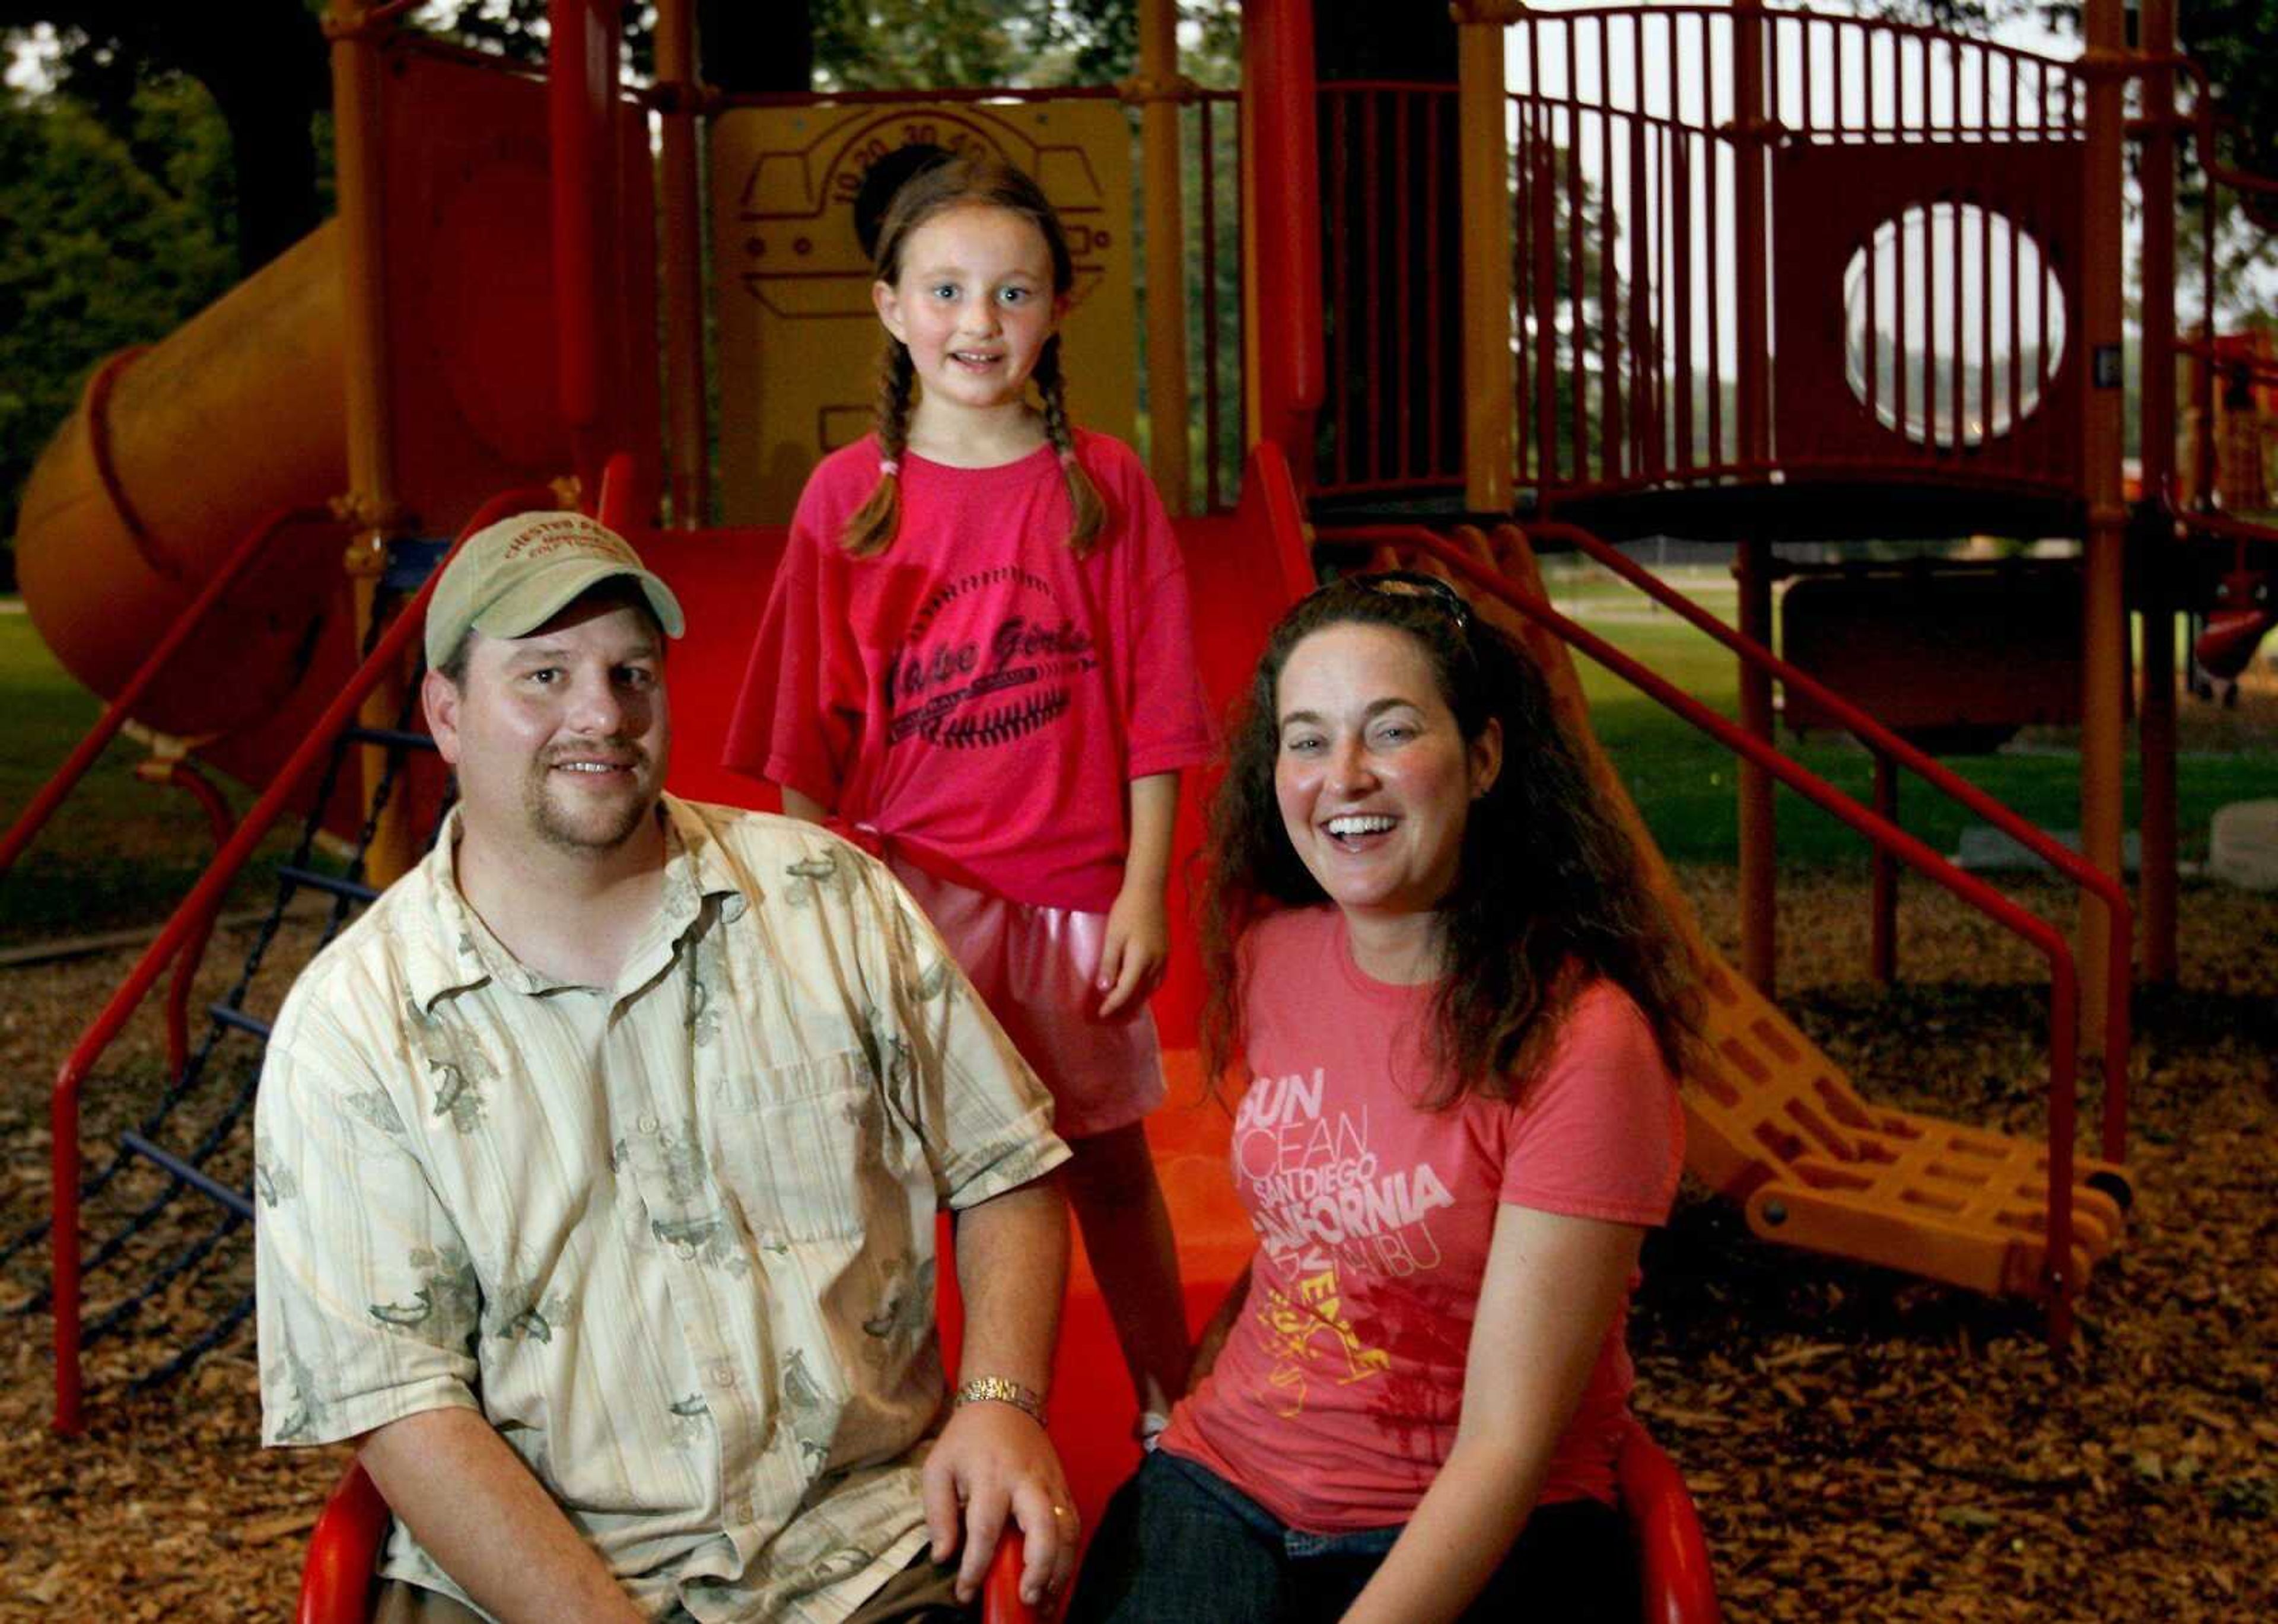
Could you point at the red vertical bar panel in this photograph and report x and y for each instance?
(2046, 365)
(1665, 326)
(1542, 184)
(1960, 305)
(1716, 272)
(1341, 238)
(1541, 304)
(2016, 311)
(1640, 215)
(1212, 491)
(1372, 242)
(1578, 345)
(1403, 253)
(1838, 49)
(1610, 210)
(1874, 336)
(1984, 285)
(1523, 281)
(1902, 358)
(1433, 104)
(1243, 271)
(1681, 197)
(1773, 30)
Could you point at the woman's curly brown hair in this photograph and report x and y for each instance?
(1547, 895)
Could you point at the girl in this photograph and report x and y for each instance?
(1427, 941)
(978, 653)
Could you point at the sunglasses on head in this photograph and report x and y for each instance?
(1415, 583)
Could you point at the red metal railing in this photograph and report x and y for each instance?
(1888, 746)
(2064, 992)
(190, 917)
(121, 708)
(1635, 176)
(181, 775)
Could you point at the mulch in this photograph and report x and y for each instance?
(1862, 1445)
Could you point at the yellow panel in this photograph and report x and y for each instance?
(799, 340)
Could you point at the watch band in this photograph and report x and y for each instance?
(1002, 1390)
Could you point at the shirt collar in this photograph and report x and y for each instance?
(448, 949)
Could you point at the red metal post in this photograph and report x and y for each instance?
(1483, 180)
(681, 240)
(183, 776)
(2104, 634)
(1883, 947)
(591, 325)
(2156, 714)
(1758, 833)
(1279, 114)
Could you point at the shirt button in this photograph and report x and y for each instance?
(723, 1376)
(647, 1124)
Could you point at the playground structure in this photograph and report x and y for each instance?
(1584, 334)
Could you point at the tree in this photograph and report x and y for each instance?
(100, 252)
(265, 68)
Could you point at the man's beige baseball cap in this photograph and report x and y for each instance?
(510, 579)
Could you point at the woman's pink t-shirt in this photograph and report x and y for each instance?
(1336, 1398)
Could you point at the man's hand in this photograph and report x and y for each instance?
(1138, 939)
(992, 1459)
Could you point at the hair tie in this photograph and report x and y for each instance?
(888, 467)
(1067, 457)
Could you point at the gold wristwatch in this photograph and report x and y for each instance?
(1000, 1390)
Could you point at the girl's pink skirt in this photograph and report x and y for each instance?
(1034, 968)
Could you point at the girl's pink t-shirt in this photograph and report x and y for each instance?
(1336, 1398)
(977, 694)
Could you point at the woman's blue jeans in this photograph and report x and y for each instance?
(1178, 1542)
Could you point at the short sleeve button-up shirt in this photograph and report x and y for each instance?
(674, 1238)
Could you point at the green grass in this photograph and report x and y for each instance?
(123, 852)
(1684, 781)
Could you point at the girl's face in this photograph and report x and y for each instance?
(1374, 775)
(974, 303)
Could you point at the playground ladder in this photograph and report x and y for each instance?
(216, 1165)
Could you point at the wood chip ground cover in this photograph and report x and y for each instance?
(1863, 1444)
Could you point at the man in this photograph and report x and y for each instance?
(597, 1165)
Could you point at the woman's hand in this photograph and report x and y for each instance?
(1138, 940)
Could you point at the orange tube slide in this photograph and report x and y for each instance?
(174, 453)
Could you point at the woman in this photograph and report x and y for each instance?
(1460, 1012)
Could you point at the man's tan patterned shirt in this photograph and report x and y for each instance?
(674, 1238)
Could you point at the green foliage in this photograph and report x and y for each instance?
(887, 44)
(100, 251)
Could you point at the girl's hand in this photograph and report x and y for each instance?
(1138, 940)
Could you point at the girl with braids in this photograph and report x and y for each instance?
(1428, 944)
(978, 657)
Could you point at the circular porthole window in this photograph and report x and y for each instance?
(1953, 324)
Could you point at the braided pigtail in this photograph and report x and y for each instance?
(870, 527)
(1083, 496)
